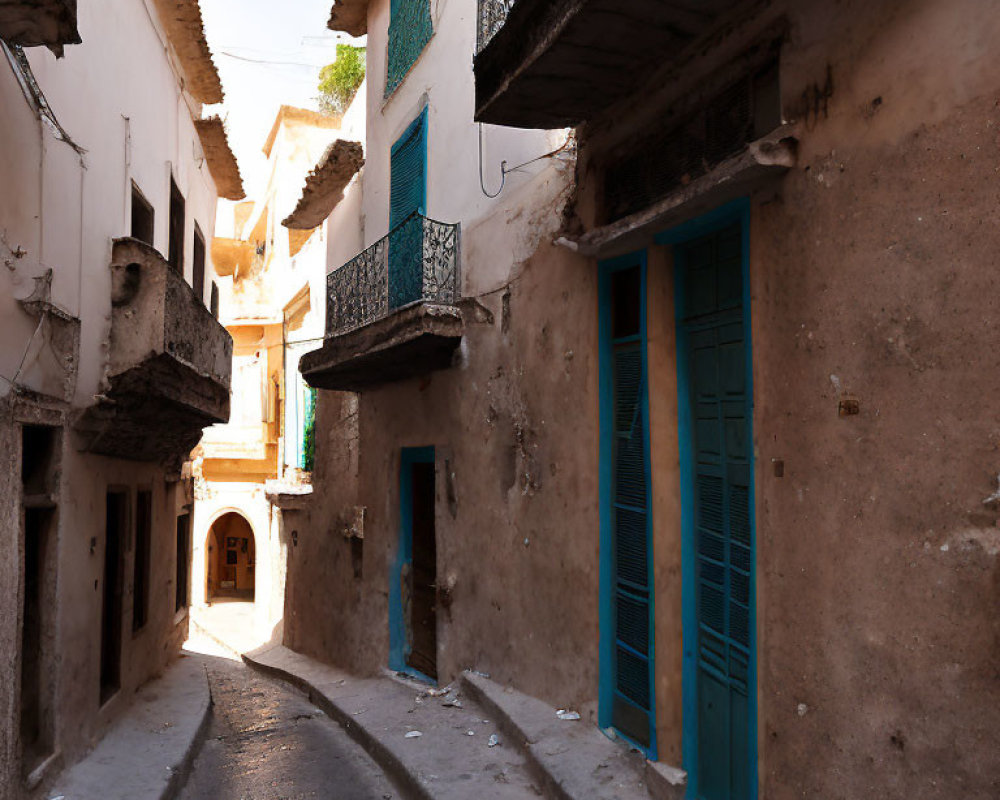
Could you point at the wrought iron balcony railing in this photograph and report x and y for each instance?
(492, 15)
(417, 261)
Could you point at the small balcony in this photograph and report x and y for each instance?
(558, 63)
(392, 310)
(169, 364)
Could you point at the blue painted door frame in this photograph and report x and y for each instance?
(612, 648)
(734, 213)
(398, 640)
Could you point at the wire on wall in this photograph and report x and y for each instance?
(505, 170)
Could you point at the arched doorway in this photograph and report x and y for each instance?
(231, 559)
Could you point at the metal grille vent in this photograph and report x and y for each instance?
(673, 157)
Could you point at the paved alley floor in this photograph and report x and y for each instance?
(267, 741)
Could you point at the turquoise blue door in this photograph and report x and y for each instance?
(719, 540)
(407, 202)
(627, 698)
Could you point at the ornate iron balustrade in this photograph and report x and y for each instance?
(492, 15)
(417, 261)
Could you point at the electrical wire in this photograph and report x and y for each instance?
(505, 170)
(269, 62)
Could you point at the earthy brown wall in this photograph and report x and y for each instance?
(875, 272)
(516, 425)
(86, 479)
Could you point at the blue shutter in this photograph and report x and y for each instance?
(410, 29)
(407, 200)
(714, 337)
(627, 695)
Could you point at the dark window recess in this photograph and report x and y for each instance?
(214, 302)
(626, 305)
(111, 610)
(175, 256)
(676, 155)
(183, 551)
(198, 266)
(143, 546)
(142, 217)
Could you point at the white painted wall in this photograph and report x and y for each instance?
(442, 79)
(119, 97)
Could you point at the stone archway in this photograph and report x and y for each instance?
(230, 559)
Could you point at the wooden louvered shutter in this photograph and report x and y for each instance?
(407, 199)
(633, 700)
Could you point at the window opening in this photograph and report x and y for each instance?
(198, 264)
(142, 217)
(183, 553)
(175, 252)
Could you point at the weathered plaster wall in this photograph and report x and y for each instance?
(117, 95)
(64, 216)
(874, 272)
(81, 719)
(515, 430)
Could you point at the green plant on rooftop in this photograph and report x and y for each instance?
(339, 81)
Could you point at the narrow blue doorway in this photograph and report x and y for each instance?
(626, 618)
(715, 386)
(413, 581)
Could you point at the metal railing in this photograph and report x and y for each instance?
(418, 260)
(492, 15)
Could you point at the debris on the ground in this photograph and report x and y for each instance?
(494, 741)
(470, 733)
(565, 714)
(412, 735)
(452, 701)
(440, 692)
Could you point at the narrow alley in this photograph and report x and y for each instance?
(499, 399)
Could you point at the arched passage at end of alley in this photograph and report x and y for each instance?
(237, 567)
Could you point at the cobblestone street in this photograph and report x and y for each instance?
(268, 741)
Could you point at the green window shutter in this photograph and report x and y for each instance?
(410, 29)
(407, 201)
(408, 190)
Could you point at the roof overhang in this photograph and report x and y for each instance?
(325, 185)
(186, 31)
(34, 23)
(221, 161)
(349, 16)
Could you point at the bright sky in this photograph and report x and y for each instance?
(269, 54)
